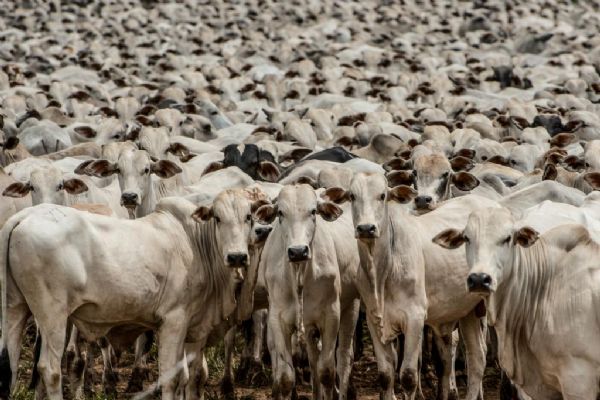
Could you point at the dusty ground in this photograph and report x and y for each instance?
(364, 377)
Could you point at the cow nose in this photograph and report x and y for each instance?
(262, 233)
(423, 201)
(366, 230)
(129, 198)
(298, 253)
(237, 259)
(479, 282)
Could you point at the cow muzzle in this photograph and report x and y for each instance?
(129, 200)
(262, 233)
(479, 283)
(423, 202)
(366, 231)
(237, 260)
(298, 253)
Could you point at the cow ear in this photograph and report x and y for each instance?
(213, 166)
(302, 113)
(460, 163)
(17, 189)
(268, 114)
(75, 186)
(85, 131)
(11, 143)
(563, 139)
(402, 194)
(294, 155)
(266, 214)
(396, 178)
(329, 211)
(336, 194)
(574, 163)
(258, 204)
(449, 239)
(187, 157)
(550, 173)
(82, 168)
(466, 153)
(465, 181)
(101, 168)
(307, 180)
(397, 164)
(202, 214)
(593, 179)
(165, 169)
(268, 171)
(525, 236)
(177, 149)
(499, 160)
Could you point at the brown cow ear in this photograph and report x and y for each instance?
(466, 153)
(499, 160)
(593, 179)
(563, 139)
(177, 149)
(336, 195)
(17, 189)
(82, 168)
(85, 131)
(550, 173)
(396, 178)
(329, 211)
(213, 166)
(449, 239)
(75, 186)
(465, 181)
(165, 169)
(258, 204)
(294, 155)
(266, 214)
(574, 163)
(187, 157)
(268, 171)
(307, 180)
(397, 164)
(101, 168)
(202, 214)
(525, 236)
(460, 163)
(11, 143)
(402, 194)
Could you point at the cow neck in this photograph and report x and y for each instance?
(216, 279)
(149, 201)
(517, 305)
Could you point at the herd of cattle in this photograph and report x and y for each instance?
(174, 169)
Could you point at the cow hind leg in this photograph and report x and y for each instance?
(143, 344)
(109, 376)
(53, 343)
(473, 332)
(280, 349)
(11, 352)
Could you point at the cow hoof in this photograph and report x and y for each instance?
(243, 371)
(109, 382)
(136, 382)
(453, 395)
(408, 381)
(260, 378)
(227, 389)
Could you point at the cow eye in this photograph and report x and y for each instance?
(280, 214)
(382, 196)
(217, 219)
(506, 240)
(249, 217)
(147, 170)
(483, 158)
(117, 136)
(352, 197)
(313, 211)
(513, 162)
(60, 186)
(445, 174)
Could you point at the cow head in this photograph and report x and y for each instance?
(490, 237)
(432, 177)
(231, 213)
(297, 209)
(46, 186)
(369, 194)
(134, 169)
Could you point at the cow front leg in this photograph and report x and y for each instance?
(227, 383)
(345, 350)
(445, 345)
(473, 332)
(386, 362)
(170, 352)
(280, 348)
(413, 338)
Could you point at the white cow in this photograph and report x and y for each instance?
(542, 295)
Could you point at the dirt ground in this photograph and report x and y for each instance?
(364, 377)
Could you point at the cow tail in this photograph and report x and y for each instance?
(37, 348)
(5, 371)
